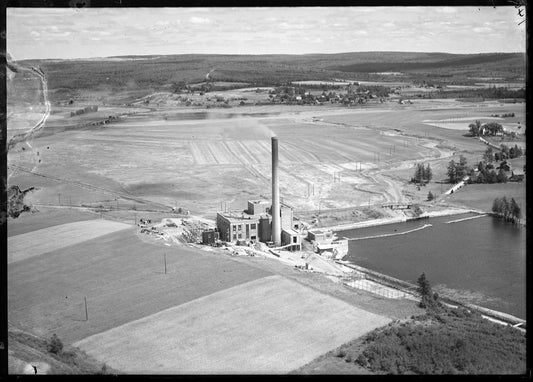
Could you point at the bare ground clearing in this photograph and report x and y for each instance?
(176, 162)
(259, 327)
(122, 278)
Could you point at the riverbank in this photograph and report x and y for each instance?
(411, 289)
(400, 219)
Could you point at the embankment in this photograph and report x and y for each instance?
(409, 288)
(400, 219)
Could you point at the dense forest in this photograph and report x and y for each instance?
(164, 72)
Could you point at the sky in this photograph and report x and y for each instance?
(102, 32)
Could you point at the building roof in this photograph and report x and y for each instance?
(240, 217)
(259, 201)
(290, 231)
(319, 231)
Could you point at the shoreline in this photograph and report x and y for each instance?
(400, 219)
(405, 287)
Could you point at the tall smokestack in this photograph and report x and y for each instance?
(276, 226)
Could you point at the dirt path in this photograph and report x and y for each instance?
(28, 135)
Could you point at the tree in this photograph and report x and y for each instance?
(452, 171)
(493, 128)
(461, 168)
(428, 174)
(475, 128)
(481, 177)
(515, 211)
(488, 155)
(508, 210)
(505, 208)
(55, 345)
(505, 151)
(419, 173)
(428, 299)
(497, 206)
(501, 177)
(491, 176)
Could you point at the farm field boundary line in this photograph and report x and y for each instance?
(35, 243)
(122, 278)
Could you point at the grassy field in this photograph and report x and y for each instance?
(481, 196)
(46, 217)
(122, 278)
(35, 243)
(270, 325)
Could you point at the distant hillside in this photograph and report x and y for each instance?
(152, 73)
(436, 61)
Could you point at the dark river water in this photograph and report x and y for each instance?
(481, 260)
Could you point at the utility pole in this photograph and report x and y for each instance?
(59, 197)
(86, 311)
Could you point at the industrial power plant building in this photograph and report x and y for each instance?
(255, 224)
(273, 224)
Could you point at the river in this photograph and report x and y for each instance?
(481, 260)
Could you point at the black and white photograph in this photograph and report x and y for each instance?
(281, 190)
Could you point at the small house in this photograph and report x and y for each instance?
(517, 175)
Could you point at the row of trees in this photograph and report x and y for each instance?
(506, 153)
(509, 152)
(491, 93)
(509, 210)
(488, 175)
(422, 174)
(506, 115)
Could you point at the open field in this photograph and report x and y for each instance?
(44, 218)
(172, 157)
(270, 325)
(481, 196)
(35, 243)
(122, 278)
(153, 145)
